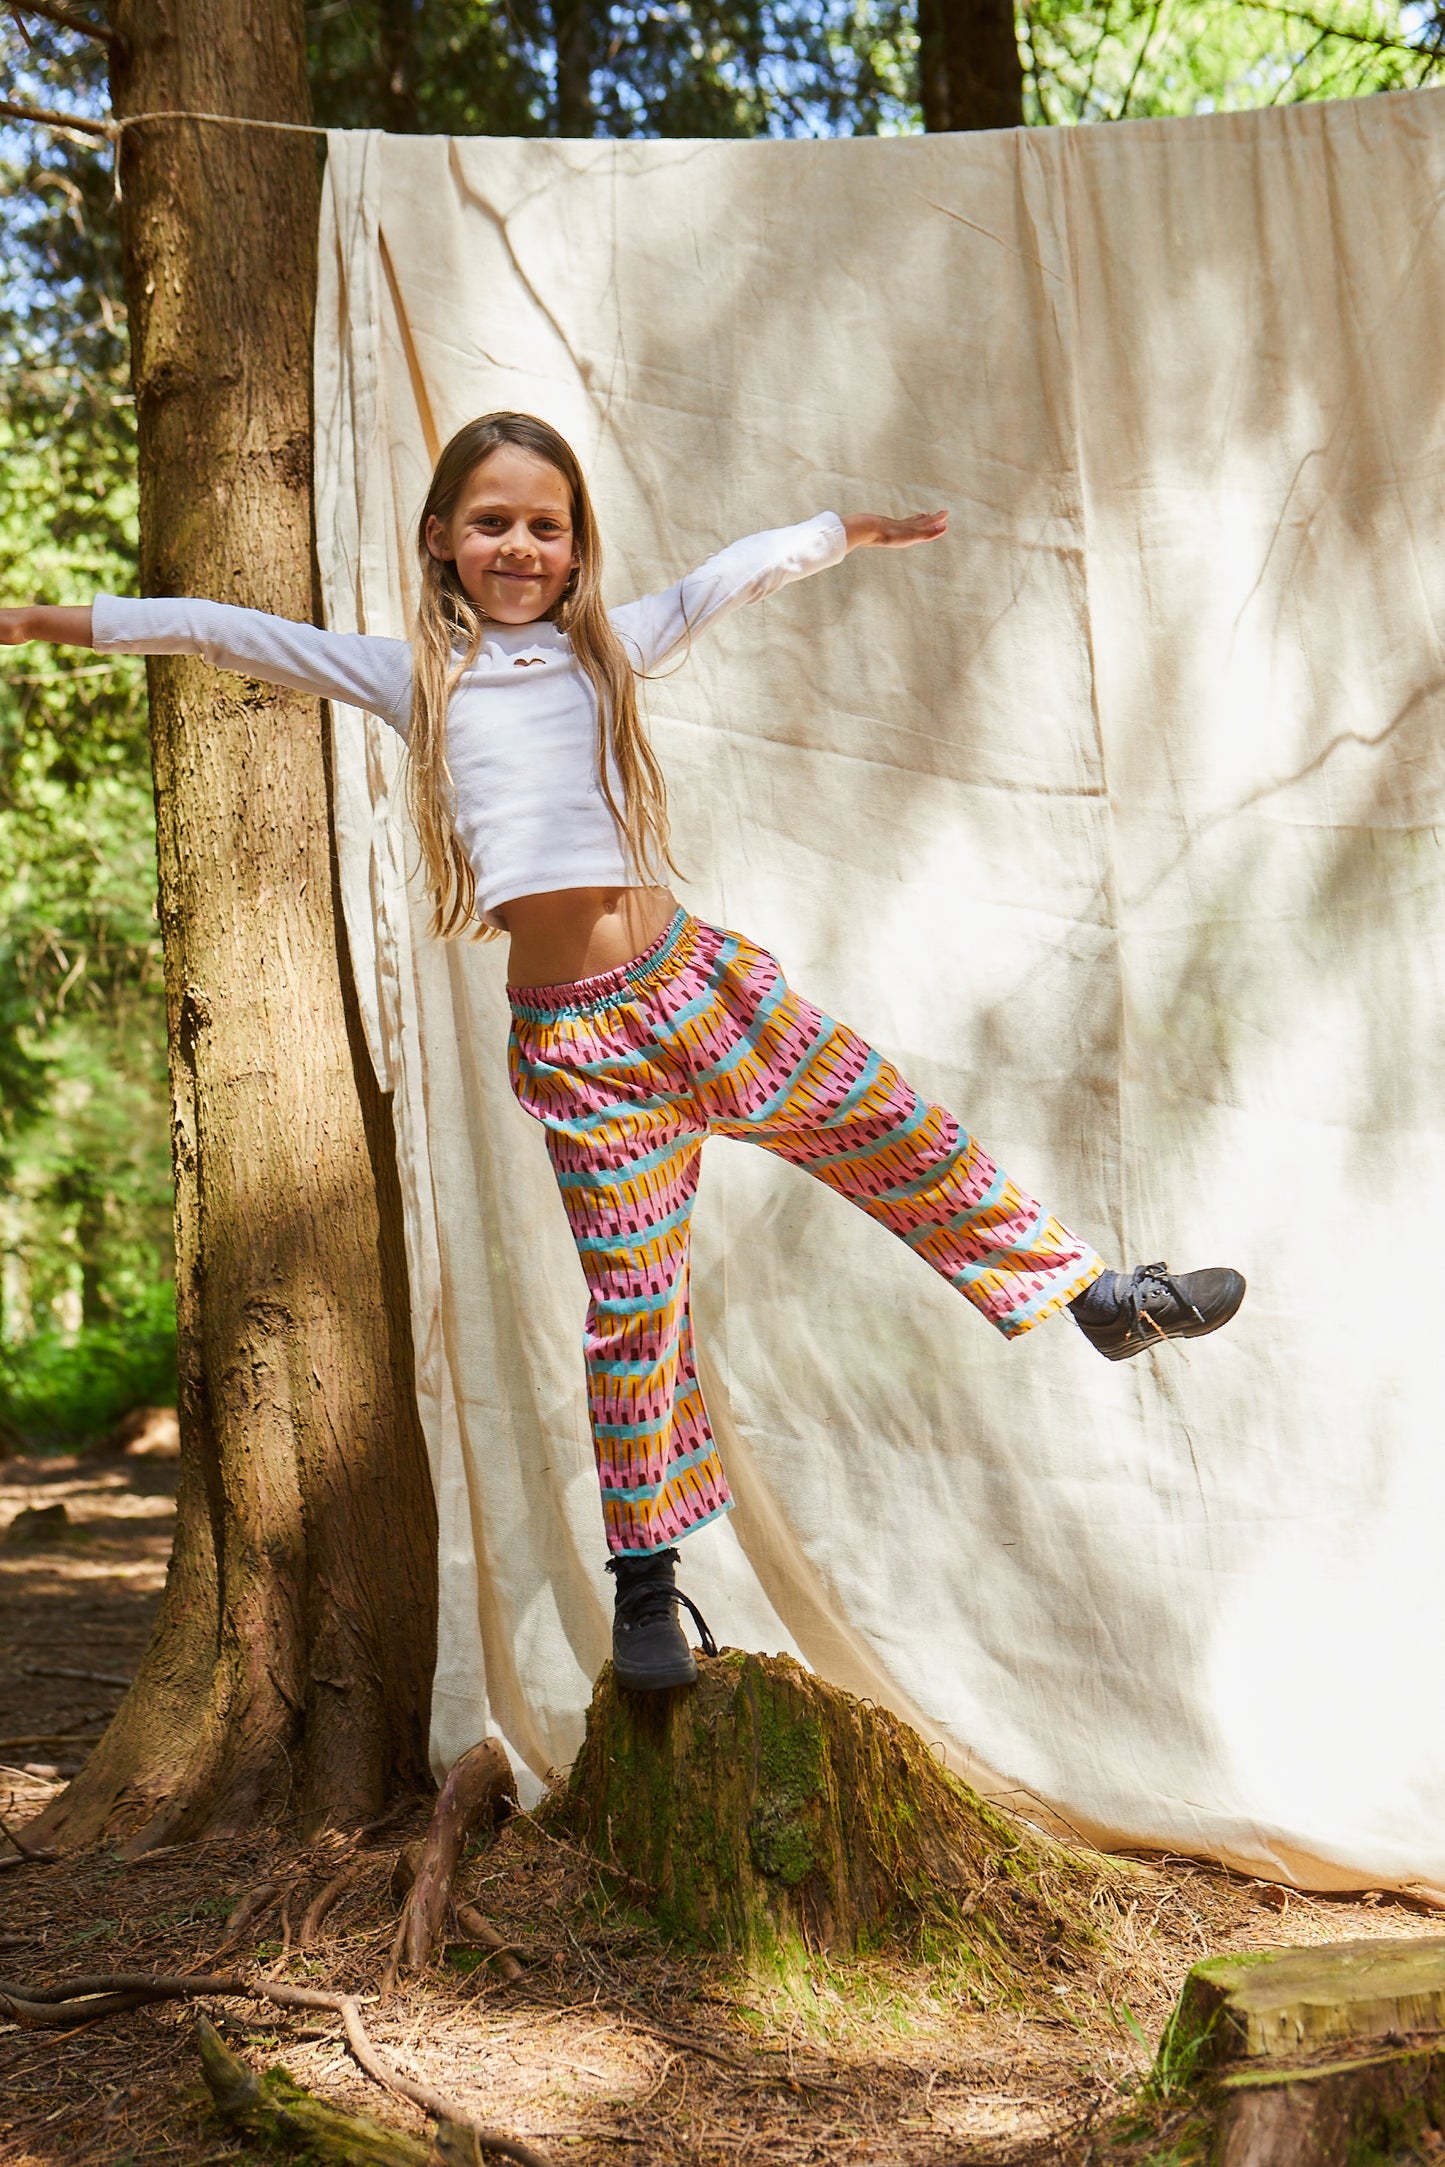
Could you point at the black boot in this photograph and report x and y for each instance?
(1125, 1313)
(648, 1648)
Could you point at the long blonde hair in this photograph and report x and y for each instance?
(447, 619)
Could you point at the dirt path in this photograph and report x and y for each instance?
(595, 2057)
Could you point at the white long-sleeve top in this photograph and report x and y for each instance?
(522, 725)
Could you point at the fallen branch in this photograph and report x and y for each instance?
(82, 2001)
(276, 2107)
(91, 1677)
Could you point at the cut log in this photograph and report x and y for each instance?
(763, 1805)
(1376, 2107)
(1312, 2057)
(1280, 2003)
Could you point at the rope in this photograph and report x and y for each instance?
(113, 130)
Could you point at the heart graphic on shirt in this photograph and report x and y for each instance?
(527, 662)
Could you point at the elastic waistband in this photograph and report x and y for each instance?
(671, 949)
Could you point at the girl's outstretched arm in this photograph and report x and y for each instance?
(662, 625)
(356, 667)
(871, 530)
(43, 621)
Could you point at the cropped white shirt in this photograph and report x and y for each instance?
(522, 725)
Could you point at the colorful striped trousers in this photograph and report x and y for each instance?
(699, 1036)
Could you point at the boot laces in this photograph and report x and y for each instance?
(648, 1600)
(1136, 1290)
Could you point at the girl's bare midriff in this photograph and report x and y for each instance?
(581, 932)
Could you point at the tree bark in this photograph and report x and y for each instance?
(969, 71)
(291, 1660)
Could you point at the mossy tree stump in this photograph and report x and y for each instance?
(764, 1805)
(1270, 2004)
(1317, 2057)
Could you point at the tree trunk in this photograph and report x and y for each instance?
(969, 72)
(291, 1660)
(573, 41)
(89, 1237)
(397, 46)
(763, 1806)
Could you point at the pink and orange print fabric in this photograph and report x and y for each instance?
(629, 1073)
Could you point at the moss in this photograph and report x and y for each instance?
(767, 1809)
(784, 1829)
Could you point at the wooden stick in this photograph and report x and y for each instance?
(91, 1677)
(433, 2103)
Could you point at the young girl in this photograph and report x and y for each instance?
(637, 1029)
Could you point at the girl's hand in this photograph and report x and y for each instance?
(43, 621)
(870, 530)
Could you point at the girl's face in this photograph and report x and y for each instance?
(510, 536)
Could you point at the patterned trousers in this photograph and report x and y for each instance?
(699, 1036)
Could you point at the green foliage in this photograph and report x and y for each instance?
(86, 1314)
(579, 67)
(829, 67)
(59, 1388)
(1128, 59)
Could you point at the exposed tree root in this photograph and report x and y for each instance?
(479, 1790)
(82, 2001)
(29, 1853)
(320, 1905)
(477, 1929)
(252, 1908)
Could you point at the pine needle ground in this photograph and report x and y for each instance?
(611, 2047)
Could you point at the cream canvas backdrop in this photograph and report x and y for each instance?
(1115, 819)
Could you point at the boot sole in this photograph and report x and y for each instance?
(652, 1683)
(1183, 1331)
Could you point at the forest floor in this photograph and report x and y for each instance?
(611, 2048)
